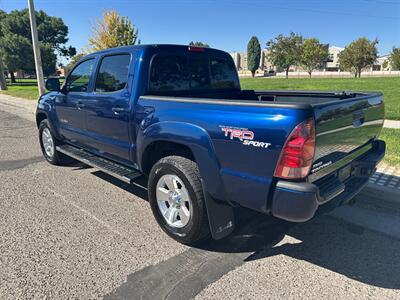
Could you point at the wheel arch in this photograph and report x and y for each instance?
(161, 148)
(43, 114)
(178, 138)
(40, 116)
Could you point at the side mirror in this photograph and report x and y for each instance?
(53, 84)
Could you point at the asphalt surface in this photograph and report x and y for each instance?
(74, 232)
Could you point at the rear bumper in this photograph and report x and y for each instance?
(300, 201)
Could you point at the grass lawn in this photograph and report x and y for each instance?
(23, 88)
(390, 86)
(392, 139)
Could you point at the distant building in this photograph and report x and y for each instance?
(265, 63)
(243, 61)
(19, 74)
(382, 64)
(333, 62)
(236, 59)
(61, 71)
(330, 68)
(240, 60)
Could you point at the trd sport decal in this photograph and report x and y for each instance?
(244, 135)
(241, 134)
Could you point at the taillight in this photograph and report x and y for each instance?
(298, 152)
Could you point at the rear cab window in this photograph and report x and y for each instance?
(223, 74)
(191, 72)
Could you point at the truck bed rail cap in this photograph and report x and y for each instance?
(227, 102)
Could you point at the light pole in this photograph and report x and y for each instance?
(3, 85)
(36, 49)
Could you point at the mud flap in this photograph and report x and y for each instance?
(221, 216)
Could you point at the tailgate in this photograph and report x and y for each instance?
(343, 127)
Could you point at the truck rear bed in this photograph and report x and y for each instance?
(344, 122)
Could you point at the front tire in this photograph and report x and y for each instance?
(48, 143)
(177, 200)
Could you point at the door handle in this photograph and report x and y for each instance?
(118, 110)
(148, 110)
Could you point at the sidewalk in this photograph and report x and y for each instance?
(17, 106)
(392, 124)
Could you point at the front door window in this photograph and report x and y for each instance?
(78, 80)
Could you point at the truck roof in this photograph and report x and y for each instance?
(151, 47)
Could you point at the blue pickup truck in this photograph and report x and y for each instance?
(176, 116)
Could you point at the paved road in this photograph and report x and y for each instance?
(75, 232)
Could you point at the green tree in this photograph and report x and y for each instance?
(3, 84)
(3, 15)
(313, 55)
(113, 31)
(358, 55)
(385, 65)
(49, 59)
(16, 50)
(395, 59)
(74, 60)
(285, 51)
(199, 44)
(253, 55)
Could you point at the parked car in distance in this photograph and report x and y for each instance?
(176, 115)
(269, 73)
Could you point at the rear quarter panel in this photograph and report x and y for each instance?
(231, 170)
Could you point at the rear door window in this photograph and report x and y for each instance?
(169, 73)
(113, 73)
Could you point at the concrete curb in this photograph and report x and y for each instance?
(383, 223)
(22, 107)
(376, 208)
(379, 199)
(26, 104)
(379, 192)
(391, 124)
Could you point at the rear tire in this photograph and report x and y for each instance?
(48, 143)
(177, 200)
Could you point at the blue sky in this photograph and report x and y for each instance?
(229, 24)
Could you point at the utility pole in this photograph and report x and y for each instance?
(3, 85)
(36, 49)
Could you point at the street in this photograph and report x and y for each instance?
(74, 232)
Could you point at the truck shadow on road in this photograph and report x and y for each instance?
(350, 250)
(329, 243)
(138, 190)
